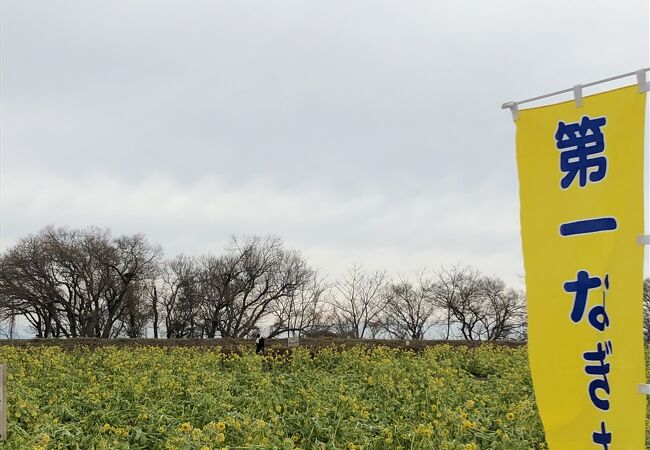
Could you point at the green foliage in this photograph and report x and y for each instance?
(197, 398)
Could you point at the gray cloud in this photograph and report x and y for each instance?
(364, 131)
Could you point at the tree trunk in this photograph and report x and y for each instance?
(155, 313)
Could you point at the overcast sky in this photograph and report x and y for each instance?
(359, 131)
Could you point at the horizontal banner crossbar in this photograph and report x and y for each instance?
(572, 89)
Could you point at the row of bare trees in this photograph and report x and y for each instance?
(452, 303)
(86, 283)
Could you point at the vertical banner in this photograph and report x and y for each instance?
(581, 192)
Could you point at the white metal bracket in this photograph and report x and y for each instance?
(644, 86)
(643, 389)
(577, 94)
(514, 109)
(643, 239)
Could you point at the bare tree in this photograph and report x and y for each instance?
(358, 301)
(454, 291)
(410, 309)
(74, 282)
(7, 323)
(302, 310)
(479, 307)
(377, 327)
(132, 262)
(137, 312)
(501, 310)
(243, 285)
(152, 292)
(25, 286)
(178, 294)
(221, 281)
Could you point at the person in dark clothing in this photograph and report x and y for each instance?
(259, 344)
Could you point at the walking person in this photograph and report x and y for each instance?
(259, 344)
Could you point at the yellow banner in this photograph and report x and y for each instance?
(581, 191)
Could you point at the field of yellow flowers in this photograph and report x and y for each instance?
(202, 398)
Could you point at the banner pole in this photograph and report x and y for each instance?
(644, 86)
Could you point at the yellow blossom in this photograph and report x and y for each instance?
(468, 424)
(425, 430)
